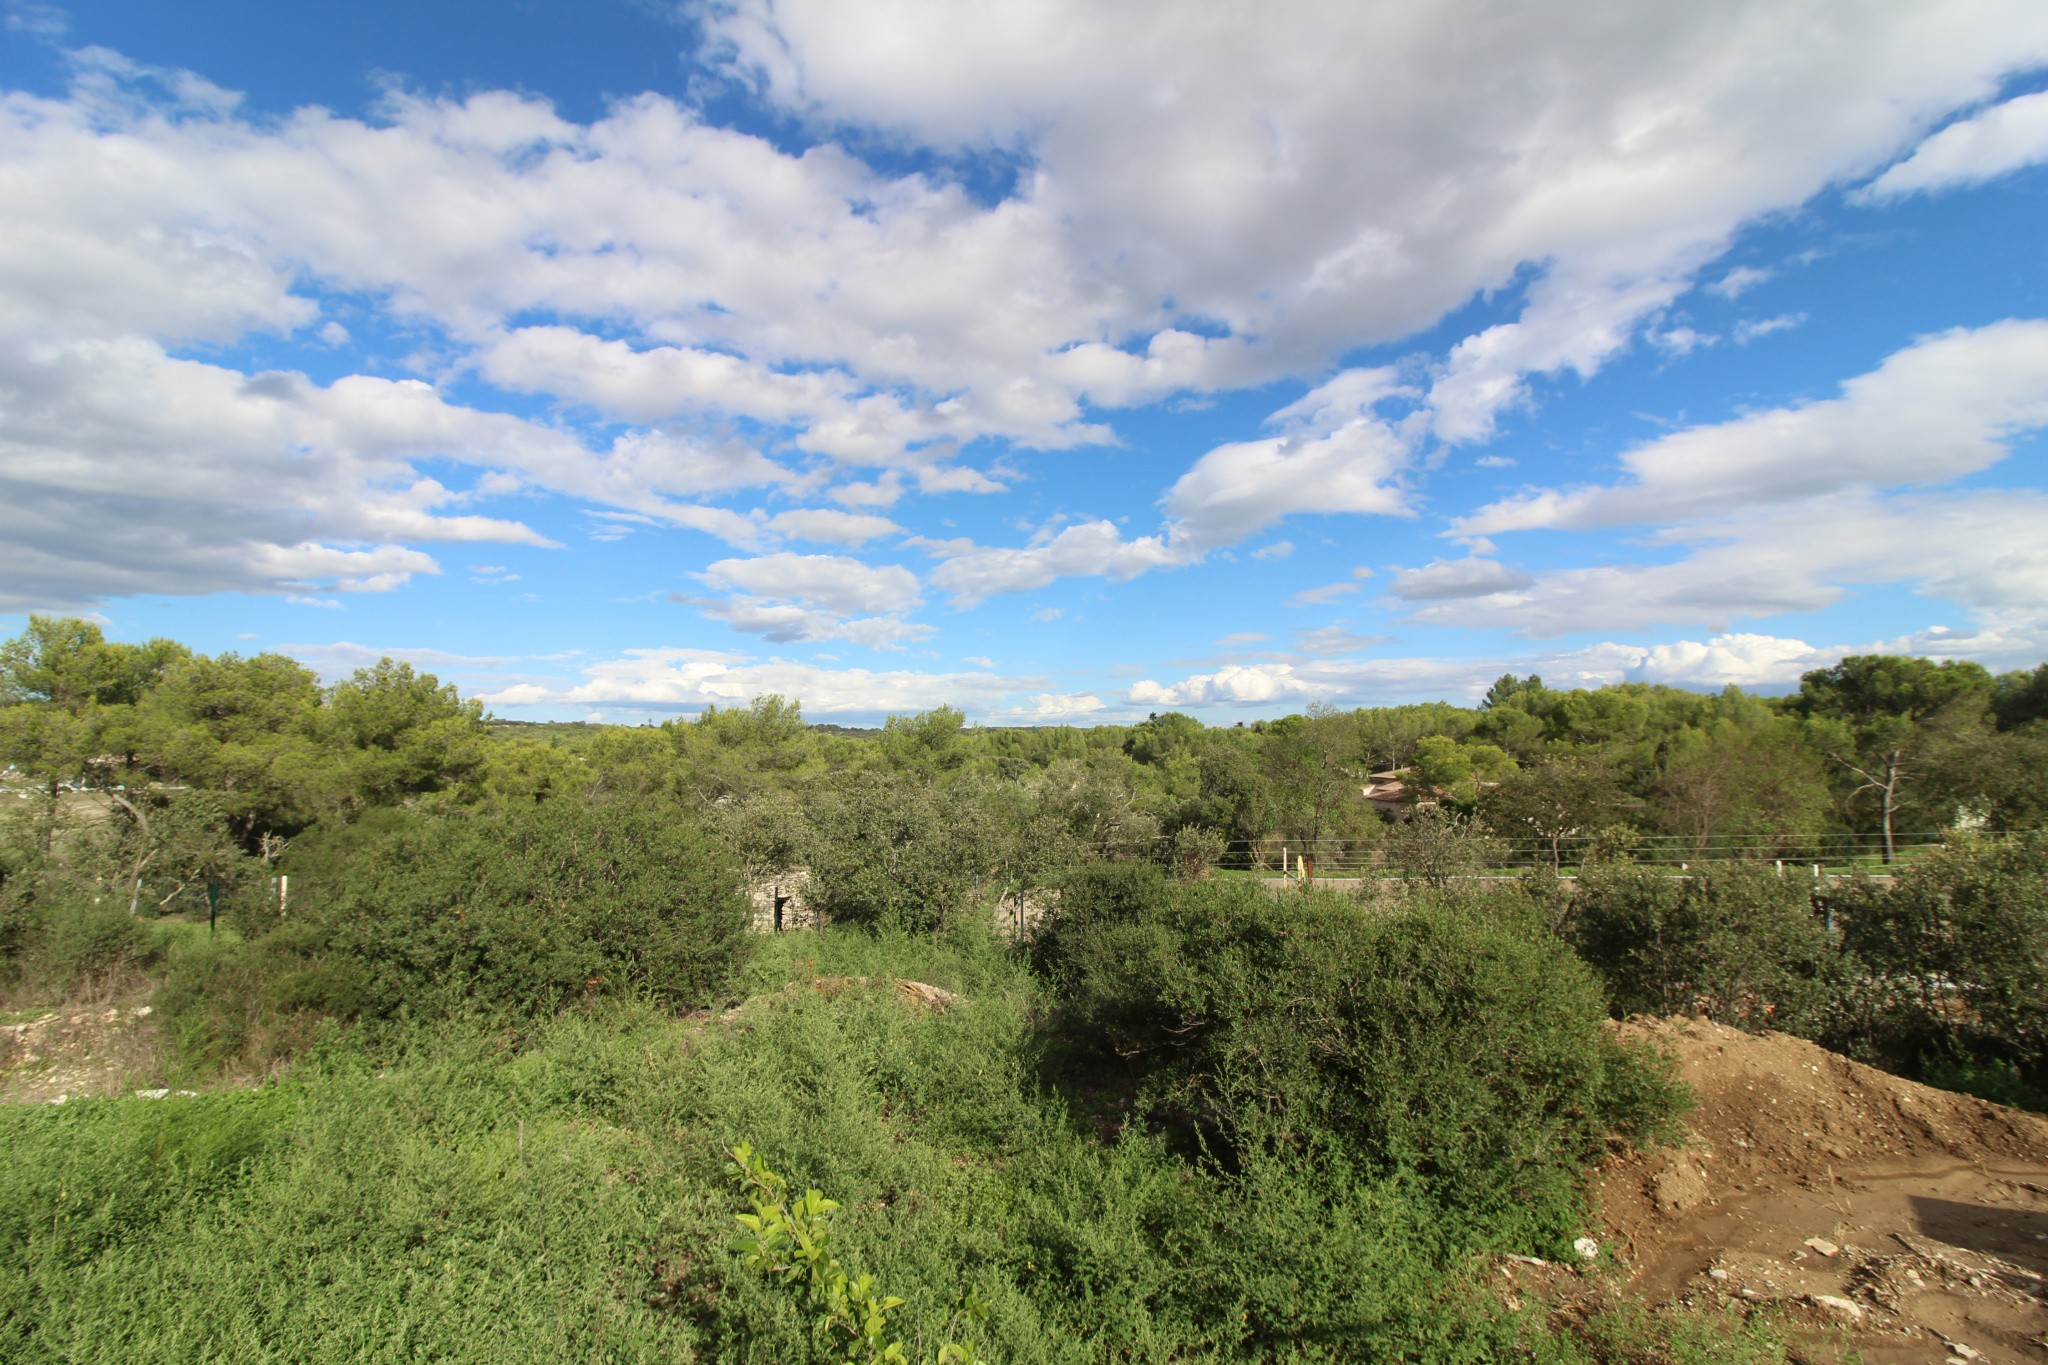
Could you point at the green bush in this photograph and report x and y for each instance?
(1465, 1049)
(1956, 952)
(890, 851)
(242, 1005)
(1094, 897)
(82, 940)
(1735, 942)
(60, 940)
(524, 911)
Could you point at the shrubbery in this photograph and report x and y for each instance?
(1737, 942)
(894, 852)
(1462, 1048)
(511, 915)
(525, 911)
(1956, 964)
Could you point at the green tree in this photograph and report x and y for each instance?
(1388, 735)
(1551, 803)
(400, 733)
(1987, 778)
(1745, 774)
(1163, 737)
(64, 690)
(929, 742)
(1460, 769)
(1888, 708)
(245, 730)
(2020, 699)
(738, 752)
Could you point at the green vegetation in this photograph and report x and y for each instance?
(473, 1198)
(1456, 1047)
(478, 1019)
(791, 1239)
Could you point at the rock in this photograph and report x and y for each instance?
(1962, 1352)
(1837, 1305)
(1678, 1189)
(936, 998)
(1822, 1245)
(1717, 1274)
(1587, 1248)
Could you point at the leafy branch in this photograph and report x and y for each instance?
(791, 1240)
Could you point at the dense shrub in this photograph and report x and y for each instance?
(894, 852)
(62, 938)
(1957, 958)
(239, 1005)
(524, 911)
(81, 941)
(1466, 1049)
(1737, 943)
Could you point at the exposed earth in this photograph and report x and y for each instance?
(53, 1055)
(1904, 1223)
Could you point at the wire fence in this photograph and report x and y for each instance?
(1829, 855)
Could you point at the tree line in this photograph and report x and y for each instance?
(212, 766)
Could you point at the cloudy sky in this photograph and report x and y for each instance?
(1055, 360)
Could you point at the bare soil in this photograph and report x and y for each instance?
(53, 1055)
(1873, 1215)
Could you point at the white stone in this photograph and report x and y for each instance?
(1587, 1248)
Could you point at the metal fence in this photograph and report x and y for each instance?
(1830, 855)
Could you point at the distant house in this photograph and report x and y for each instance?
(1391, 793)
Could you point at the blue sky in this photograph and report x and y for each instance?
(1057, 361)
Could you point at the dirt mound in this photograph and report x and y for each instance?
(1907, 1223)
